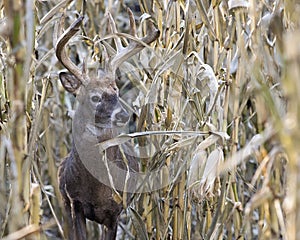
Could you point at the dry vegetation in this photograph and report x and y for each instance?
(223, 79)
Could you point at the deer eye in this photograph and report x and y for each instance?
(96, 99)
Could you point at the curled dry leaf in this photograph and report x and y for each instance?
(204, 170)
(208, 82)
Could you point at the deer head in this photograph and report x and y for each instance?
(99, 106)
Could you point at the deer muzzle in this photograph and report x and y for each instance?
(119, 116)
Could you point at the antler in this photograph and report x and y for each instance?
(61, 51)
(134, 46)
(122, 53)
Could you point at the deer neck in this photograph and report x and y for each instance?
(85, 127)
(87, 138)
(102, 134)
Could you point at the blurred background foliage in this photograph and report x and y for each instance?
(229, 69)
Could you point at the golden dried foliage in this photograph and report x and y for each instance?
(217, 103)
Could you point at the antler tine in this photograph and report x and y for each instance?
(134, 46)
(132, 22)
(61, 51)
(115, 31)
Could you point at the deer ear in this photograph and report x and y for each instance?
(70, 82)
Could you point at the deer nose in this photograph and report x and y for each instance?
(120, 117)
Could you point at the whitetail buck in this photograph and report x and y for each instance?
(98, 113)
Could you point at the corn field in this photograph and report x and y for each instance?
(215, 105)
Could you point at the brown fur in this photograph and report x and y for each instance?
(84, 196)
